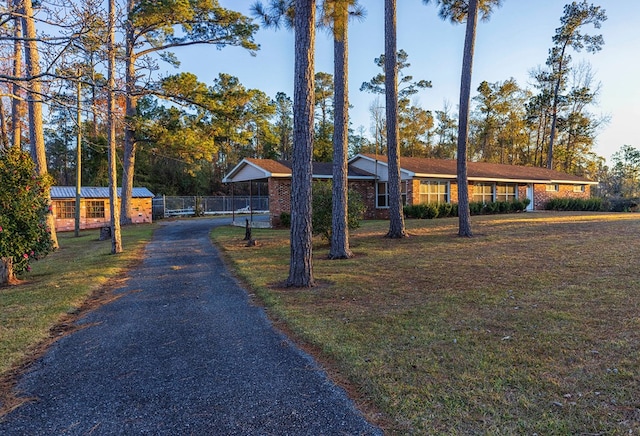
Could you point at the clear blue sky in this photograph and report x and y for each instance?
(515, 40)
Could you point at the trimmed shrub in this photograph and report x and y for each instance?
(575, 204)
(322, 204)
(495, 207)
(505, 206)
(454, 209)
(431, 211)
(444, 210)
(517, 206)
(476, 207)
(285, 219)
(423, 211)
(408, 209)
(492, 207)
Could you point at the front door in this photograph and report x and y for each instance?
(531, 205)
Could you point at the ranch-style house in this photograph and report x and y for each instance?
(423, 181)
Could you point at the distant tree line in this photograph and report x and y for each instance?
(186, 147)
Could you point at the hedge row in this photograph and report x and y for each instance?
(431, 210)
(575, 204)
(444, 210)
(594, 204)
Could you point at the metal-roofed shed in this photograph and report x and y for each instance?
(95, 207)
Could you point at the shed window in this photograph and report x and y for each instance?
(65, 209)
(95, 209)
(434, 191)
(554, 187)
(578, 188)
(382, 194)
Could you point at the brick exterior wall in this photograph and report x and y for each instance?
(279, 199)
(367, 190)
(141, 214)
(453, 192)
(280, 196)
(542, 196)
(413, 186)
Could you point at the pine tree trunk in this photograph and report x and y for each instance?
(34, 103)
(7, 276)
(464, 219)
(116, 239)
(17, 108)
(301, 266)
(4, 140)
(129, 158)
(339, 221)
(396, 216)
(554, 110)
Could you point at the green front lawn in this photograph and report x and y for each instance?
(532, 326)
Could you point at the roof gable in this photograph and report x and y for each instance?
(256, 169)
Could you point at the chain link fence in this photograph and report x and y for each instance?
(171, 206)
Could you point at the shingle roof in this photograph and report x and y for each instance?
(270, 165)
(482, 170)
(94, 192)
(420, 167)
(282, 168)
(325, 169)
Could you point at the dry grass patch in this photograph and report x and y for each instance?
(532, 326)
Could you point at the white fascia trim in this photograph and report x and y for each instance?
(372, 177)
(238, 168)
(491, 179)
(360, 156)
(410, 174)
(502, 180)
(330, 177)
(435, 176)
(536, 181)
(573, 182)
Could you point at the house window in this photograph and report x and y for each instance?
(95, 209)
(578, 188)
(553, 187)
(483, 192)
(382, 194)
(434, 191)
(65, 209)
(506, 192)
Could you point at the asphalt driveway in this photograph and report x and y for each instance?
(182, 352)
